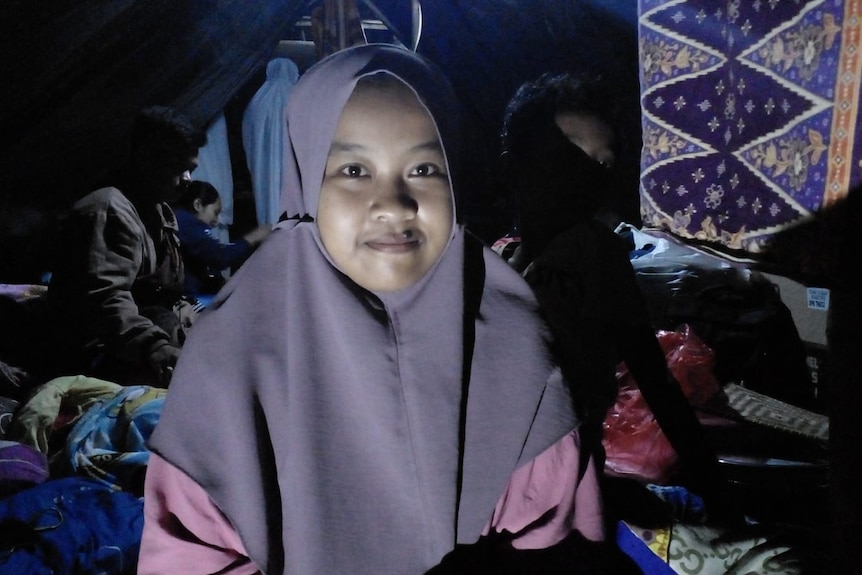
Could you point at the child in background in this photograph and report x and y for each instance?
(343, 407)
(205, 257)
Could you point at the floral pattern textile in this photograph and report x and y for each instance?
(690, 549)
(749, 114)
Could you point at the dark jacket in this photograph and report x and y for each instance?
(111, 266)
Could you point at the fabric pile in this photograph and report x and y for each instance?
(72, 462)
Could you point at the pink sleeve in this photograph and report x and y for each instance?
(551, 487)
(184, 531)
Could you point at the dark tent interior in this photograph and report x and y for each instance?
(75, 73)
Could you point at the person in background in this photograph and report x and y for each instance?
(205, 257)
(114, 296)
(375, 427)
(264, 137)
(559, 145)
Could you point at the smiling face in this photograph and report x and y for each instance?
(386, 209)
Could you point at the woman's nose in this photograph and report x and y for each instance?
(392, 200)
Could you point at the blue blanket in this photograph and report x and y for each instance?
(70, 526)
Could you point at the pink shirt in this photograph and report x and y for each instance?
(184, 531)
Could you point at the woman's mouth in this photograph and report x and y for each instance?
(394, 243)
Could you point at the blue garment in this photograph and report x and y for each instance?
(70, 526)
(684, 505)
(203, 255)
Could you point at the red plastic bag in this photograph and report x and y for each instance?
(635, 445)
(692, 363)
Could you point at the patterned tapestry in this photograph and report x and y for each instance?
(750, 114)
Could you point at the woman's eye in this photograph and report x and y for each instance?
(353, 171)
(425, 170)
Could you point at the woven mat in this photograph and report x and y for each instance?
(764, 410)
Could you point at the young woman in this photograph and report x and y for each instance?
(357, 417)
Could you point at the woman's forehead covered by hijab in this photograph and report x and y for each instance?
(316, 103)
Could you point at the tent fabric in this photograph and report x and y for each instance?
(76, 73)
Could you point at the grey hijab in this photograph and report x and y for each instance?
(326, 421)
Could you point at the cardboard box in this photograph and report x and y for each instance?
(809, 306)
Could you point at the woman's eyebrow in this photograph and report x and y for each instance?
(344, 147)
(429, 146)
(341, 147)
(432, 145)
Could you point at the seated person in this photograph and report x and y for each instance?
(560, 142)
(375, 427)
(114, 297)
(203, 254)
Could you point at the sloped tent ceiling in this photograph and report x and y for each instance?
(75, 73)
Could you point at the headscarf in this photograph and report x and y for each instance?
(329, 423)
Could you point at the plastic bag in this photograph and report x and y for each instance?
(692, 363)
(634, 444)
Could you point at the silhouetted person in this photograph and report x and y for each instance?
(114, 294)
(559, 147)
